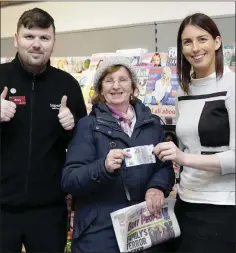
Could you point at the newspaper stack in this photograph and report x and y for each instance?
(137, 229)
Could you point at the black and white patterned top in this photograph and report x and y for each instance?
(206, 125)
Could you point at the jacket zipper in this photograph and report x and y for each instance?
(122, 176)
(30, 136)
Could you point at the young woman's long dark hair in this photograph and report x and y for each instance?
(183, 66)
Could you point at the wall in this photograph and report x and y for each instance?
(71, 16)
(167, 31)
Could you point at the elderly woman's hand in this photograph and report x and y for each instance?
(114, 159)
(166, 151)
(155, 200)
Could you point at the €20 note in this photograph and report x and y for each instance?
(140, 155)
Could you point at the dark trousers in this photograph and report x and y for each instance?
(205, 228)
(39, 229)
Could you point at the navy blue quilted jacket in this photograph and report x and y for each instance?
(99, 193)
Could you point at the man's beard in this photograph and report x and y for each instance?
(36, 68)
(31, 67)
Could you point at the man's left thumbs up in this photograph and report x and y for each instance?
(65, 116)
(63, 102)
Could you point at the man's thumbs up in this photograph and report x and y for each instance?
(4, 93)
(63, 102)
(8, 108)
(65, 116)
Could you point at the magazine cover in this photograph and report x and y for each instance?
(228, 51)
(97, 59)
(142, 73)
(172, 57)
(156, 59)
(232, 62)
(161, 88)
(132, 51)
(71, 64)
(134, 60)
(132, 54)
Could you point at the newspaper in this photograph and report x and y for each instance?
(137, 229)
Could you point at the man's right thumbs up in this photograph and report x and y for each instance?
(8, 108)
(4, 93)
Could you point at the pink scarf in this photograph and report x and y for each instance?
(126, 119)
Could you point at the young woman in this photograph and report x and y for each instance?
(206, 131)
(95, 171)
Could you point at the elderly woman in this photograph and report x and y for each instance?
(95, 170)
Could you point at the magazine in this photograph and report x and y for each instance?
(172, 57)
(228, 51)
(132, 54)
(137, 229)
(142, 74)
(161, 88)
(71, 64)
(132, 51)
(155, 59)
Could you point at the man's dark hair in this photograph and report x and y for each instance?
(35, 18)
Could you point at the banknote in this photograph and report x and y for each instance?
(140, 155)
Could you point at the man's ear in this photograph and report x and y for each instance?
(217, 43)
(16, 41)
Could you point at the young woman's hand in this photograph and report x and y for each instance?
(166, 151)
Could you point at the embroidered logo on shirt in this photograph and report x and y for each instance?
(55, 106)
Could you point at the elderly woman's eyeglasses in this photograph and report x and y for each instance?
(122, 81)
